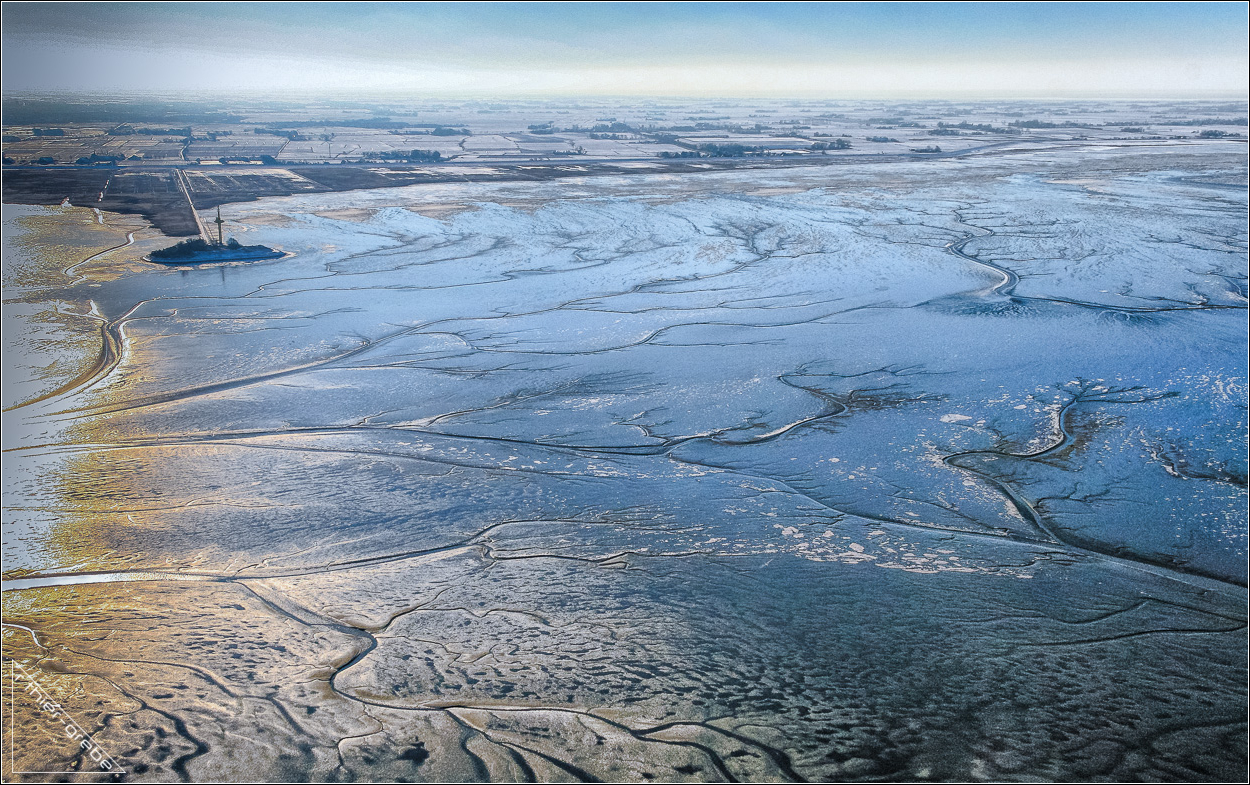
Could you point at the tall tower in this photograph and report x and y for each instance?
(219, 222)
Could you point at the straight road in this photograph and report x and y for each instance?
(181, 177)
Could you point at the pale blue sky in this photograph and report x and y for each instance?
(697, 49)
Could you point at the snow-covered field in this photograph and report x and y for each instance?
(932, 470)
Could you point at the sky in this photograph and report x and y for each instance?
(825, 50)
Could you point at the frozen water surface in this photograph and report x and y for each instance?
(906, 471)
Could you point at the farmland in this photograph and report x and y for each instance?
(257, 150)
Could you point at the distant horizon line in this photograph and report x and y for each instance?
(369, 94)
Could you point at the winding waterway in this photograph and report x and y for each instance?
(737, 476)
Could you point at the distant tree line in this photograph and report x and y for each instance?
(289, 133)
(613, 127)
(1207, 121)
(731, 150)
(404, 155)
(382, 123)
(735, 150)
(1046, 124)
(128, 130)
(835, 144)
(896, 122)
(246, 159)
(966, 126)
(1179, 121)
(55, 111)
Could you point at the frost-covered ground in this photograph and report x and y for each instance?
(907, 471)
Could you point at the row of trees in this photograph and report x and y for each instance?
(404, 155)
(735, 150)
(833, 144)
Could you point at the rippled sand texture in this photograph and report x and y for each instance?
(923, 471)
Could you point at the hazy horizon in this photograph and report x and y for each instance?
(967, 51)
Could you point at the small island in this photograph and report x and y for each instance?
(197, 251)
(202, 249)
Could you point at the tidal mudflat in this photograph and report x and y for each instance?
(898, 471)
